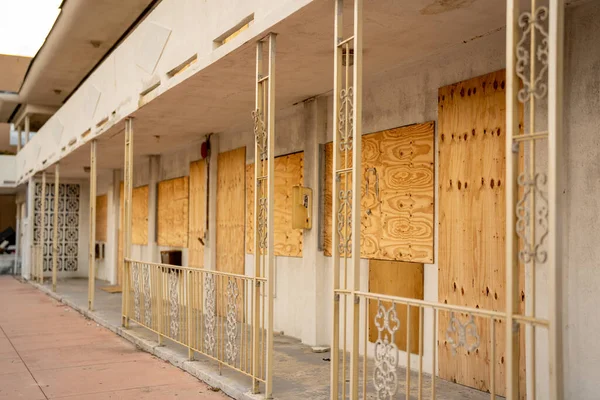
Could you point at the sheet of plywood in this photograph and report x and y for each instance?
(231, 190)
(402, 279)
(197, 213)
(101, 218)
(139, 215)
(289, 172)
(120, 254)
(173, 206)
(472, 221)
(397, 191)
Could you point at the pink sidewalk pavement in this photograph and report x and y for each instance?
(49, 351)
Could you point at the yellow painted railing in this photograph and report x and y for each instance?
(216, 314)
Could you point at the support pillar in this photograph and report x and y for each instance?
(128, 187)
(42, 233)
(19, 139)
(55, 226)
(92, 226)
(264, 196)
(27, 133)
(18, 239)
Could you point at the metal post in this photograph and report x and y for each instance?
(512, 172)
(335, 240)
(356, 190)
(264, 174)
(55, 226)
(128, 171)
(42, 233)
(92, 226)
(555, 126)
(18, 239)
(258, 214)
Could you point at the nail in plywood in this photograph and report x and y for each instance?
(289, 172)
(139, 217)
(402, 279)
(472, 221)
(397, 193)
(231, 190)
(101, 218)
(172, 218)
(197, 213)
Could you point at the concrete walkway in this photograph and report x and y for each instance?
(49, 351)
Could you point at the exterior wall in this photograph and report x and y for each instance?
(581, 207)
(8, 170)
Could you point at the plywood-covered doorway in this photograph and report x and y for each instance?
(231, 195)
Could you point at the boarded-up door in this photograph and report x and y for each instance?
(197, 214)
(231, 195)
(472, 221)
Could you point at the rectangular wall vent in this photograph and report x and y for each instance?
(233, 32)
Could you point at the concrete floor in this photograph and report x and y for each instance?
(299, 373)
(49, 351)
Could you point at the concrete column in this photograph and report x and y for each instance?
(314, 331)
(210, 249)
(112, 245)
(19, 139)
(28, 230)
(27, 129)
(153, 207)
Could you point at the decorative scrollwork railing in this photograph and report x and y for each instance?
(208, 312)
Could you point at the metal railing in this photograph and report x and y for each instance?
(216, 314)
(392, 369)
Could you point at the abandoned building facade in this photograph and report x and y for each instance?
(408, 189)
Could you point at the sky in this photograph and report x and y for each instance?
(25, 25)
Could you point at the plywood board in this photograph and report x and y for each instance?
(397, 194)
(101, 218)
(231, 190)
(402, 279)
(139, 215)
(120, 253)
(8, 212)
(472, 221)
(173, 207)
(197, 213)
(289, 172)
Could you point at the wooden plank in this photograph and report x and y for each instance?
(120, 253)
(397, 209)
(472, 221)
(197, 214)
(101, 218)
(231, 188)
(173, 207)
(139, 217)
(289, 172)
(8, 212)
(402, 279)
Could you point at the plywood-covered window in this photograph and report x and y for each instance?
(172, 222)
(289, 172)
(397, 199)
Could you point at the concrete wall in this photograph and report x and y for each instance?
(581, 203)
(8, 171)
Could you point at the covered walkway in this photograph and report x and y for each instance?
(299, 373)
(48, 351)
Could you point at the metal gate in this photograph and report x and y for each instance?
(534, 59)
